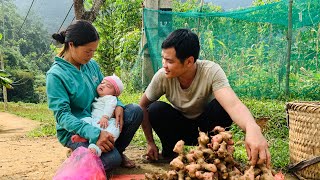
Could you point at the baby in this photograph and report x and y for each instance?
(108, 90)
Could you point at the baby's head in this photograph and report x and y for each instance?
(110, 85)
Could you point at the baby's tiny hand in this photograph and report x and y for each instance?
(103, 123)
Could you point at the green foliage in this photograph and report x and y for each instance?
(249, 44)
(274, 127)
(40, 87)
(26, 50)
(194, 6)
(23, 87)
(118, 26)
(0, 36)
(4, 79)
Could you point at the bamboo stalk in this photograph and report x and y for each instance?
(289, 38)
(201, 5)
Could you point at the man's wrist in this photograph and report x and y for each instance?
(253, 128)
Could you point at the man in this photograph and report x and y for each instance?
(200, 96)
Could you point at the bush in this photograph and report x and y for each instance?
(23, 87)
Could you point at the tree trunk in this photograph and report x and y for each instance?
(90, 15)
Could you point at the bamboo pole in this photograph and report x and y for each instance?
(289, 38)
(201, 5)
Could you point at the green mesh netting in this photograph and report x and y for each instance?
(250, 45)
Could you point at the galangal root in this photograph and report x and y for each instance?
(211, 160)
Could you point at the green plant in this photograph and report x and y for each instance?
(4, 80)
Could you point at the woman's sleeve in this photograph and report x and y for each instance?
(119, 103)
(59, 103)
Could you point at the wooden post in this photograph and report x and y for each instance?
(4, 89)
(289, 38)
(147, 70)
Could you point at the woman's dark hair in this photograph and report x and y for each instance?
(185, 42)
(80, 32)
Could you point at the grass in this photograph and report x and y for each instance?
(275, 130)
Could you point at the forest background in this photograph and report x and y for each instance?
(28, 49)
(28, 52)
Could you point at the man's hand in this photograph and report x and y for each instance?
(118, 112)
(256, 144)
(105, 141)
(257, 148)
(104, 121)
(152, 151)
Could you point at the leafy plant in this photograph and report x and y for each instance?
(4, 80)
(25, 50)
(118, 27)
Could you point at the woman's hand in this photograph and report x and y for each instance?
(105, 141)
(118, 112)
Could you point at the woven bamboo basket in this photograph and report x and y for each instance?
(304, 136)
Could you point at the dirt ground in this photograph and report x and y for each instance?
(39, 158)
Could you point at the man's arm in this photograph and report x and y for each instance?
(152, 150)
(256, 144)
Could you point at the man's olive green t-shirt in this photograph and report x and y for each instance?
(191, 101)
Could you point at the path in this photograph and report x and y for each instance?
(26, 158)
(39, 158)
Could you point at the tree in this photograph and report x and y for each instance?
(119, 28)
(4, 80)
(26, 49)
(90, 15)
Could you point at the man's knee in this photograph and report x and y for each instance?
(158, 110)
(158, 106)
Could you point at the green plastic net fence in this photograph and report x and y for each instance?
(251, 45)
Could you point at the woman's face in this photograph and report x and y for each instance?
(82, 54)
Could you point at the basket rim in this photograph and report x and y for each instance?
(302, 103)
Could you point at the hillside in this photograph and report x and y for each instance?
(51, 12)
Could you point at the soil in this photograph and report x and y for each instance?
(39, 158)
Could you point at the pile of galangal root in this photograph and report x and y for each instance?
(211, 160)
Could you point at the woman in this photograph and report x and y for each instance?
(71, 88)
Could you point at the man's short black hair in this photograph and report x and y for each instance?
(185, 42)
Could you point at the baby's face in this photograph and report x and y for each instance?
(105, 88)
